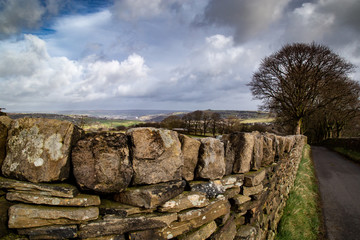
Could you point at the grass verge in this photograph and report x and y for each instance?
(302, 217)
(353, 155)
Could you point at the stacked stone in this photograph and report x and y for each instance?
(153, 183)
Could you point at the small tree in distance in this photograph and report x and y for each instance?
(294, 81)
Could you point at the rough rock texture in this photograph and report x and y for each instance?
(27, 216)
(190, 150)
(157, 155)
(184, 201)
(211, 163)
(81, 200)
(38, 149)
(258, 153)
(202, 233)
(50, 232)
(235, 180)
(119, 209)
(4, 206)
(254, 178)
(55, 190)
(152, 195)
(6, 121)
(268, 150)
(210, 188)
(119, 225)
(3, 139)
(227, 231)
(248, 191)
(101, 162)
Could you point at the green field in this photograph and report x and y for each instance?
(257, 120)
(107, 124)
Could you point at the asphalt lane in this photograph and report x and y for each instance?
(339, 183)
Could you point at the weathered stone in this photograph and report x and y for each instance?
(231, 192)
(226, 232)
(157, 155)
(119, 209)
(55, 190)
(190, 150)
(6, 121)
(258, 153)
(268, 150)
(50, 232)
(193, 219)
(248, 191)
(254, 178)
(111, 237)
(202, 233)
(232, 180)
(4, 206)
(38, 149)
(184, 201)
(3, 139)
(152, 195)
(246, 232)
(146, 234)
(210, 188)
(229, 141)
(81, 200)
(118, 225)
(243, 147)
(27, 216)
(241, 199)
(101, 162)
(198, 217)
(211, 164)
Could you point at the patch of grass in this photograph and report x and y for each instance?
(302, 217)
(353, 155)
(257, 120)
(109, 123)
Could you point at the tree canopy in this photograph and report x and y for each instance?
(301, 79)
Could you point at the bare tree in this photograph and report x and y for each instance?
(293, 82)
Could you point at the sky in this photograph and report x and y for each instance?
(156, 54)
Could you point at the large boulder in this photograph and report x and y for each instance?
(38, 150)
(239, 152)
(190, 149)
(211, 164)
(101, 162)
(157, 155)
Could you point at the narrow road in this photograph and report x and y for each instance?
(339, 183)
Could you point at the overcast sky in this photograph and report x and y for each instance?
(156, 54)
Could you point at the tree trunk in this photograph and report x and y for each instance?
(298, 127)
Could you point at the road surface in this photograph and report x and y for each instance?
(339, 183)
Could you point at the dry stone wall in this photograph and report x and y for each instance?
(59, 183)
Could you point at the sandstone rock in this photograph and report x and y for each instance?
(229, 141)
(38, 149)
(247, 232)
(210, 188)
(226, 232)
(28, 216)
(50, 232)
(243, 145)
(157, 155)
(184, 201)
(3, 139)
(111, 237)
(152, 195)
(193, 219)
(241, 199)
(119, 225)
(55, 190)
(146, 234)
(254, 178)
(211, 164)
(231, 181)
(268, 150)
(202, 233)
(101, 162)
(231, 192)
(248, 191)
(81, 200)
(190, 150)
(6, 121)
(119, 209)
(258, 151)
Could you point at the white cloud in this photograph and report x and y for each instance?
(29, 74)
